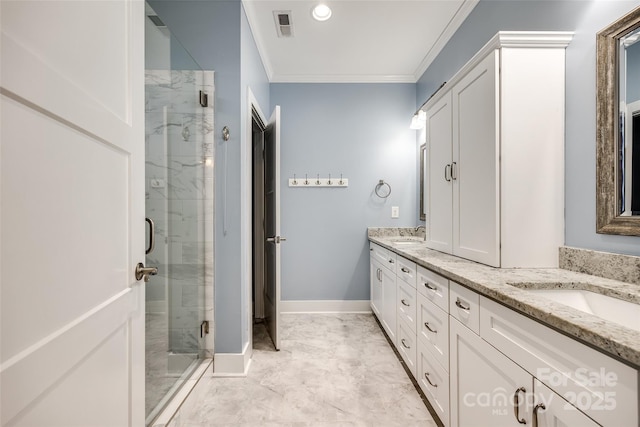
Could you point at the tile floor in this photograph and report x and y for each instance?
(332, 370)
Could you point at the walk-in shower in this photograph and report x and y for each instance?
(179, 201)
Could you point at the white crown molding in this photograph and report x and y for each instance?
(262, 51)
(455, 23)
(354, 78)
(509, 39)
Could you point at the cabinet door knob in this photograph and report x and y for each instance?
(405, 270)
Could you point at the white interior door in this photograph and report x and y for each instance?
(272, 226)
(72, 219)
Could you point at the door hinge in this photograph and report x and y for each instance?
(204, 328)
(204, 99)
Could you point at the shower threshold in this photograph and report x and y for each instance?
(166, 409)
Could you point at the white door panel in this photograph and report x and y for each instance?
(72, 221)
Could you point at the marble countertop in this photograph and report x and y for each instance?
(621, 342)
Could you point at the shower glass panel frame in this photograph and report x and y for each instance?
(179, 200)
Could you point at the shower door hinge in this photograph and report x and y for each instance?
(204, 328)
(204, 99)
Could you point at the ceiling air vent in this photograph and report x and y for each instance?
(284, 25)
(156, 20)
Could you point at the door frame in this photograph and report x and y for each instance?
(252, 105)
(258, 165)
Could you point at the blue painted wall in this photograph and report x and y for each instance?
(217, 35)
(253, 77)
(586, 18)
(361, 131)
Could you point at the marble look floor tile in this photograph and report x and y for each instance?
(332, 370)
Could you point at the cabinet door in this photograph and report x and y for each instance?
(388, 319)
(484, 383)
(375, 287)
(438, 203)
(551, 410)
(475, 170)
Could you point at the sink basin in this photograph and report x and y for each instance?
(407, 240)
(615, 310)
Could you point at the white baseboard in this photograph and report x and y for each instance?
(326, 306)
(232, 364)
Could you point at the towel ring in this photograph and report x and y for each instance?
(380, 185)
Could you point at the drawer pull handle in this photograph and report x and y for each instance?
(430, 286)
(426, 325)
(404, 344)
(405, 270)
(426, 376)
(535, 413)
(459, 304)
(516, 405)
(390, 261)
(405, 303)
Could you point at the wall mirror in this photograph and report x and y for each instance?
(618, 127)
(423, 159)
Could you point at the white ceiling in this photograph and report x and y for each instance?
(364, 41)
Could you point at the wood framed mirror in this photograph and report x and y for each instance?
(618, 127)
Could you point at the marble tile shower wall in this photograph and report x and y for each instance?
(179, 191)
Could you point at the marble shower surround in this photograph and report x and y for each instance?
(179, 188)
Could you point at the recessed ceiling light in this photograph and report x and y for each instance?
(321, 12)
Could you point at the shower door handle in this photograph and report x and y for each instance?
(152, 236)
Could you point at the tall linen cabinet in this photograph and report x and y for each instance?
(495, 154)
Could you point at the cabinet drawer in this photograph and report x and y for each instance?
(406, 270)
(386, 258)
(434, 382)
(434, 287)
(407, 305)
(433, 330)
(407, 345)
(464, 305)
(592, 381)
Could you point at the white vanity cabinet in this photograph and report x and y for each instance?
(383, 288)
(495, 153)
(487, 388)
(601, 387)
(480, 363)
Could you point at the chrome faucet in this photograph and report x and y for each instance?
(421, 226)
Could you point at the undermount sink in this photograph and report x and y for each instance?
(407, 240)
(615, 310)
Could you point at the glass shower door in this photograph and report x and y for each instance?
(179, 200)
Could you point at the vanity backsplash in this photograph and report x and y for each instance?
(625, 268)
